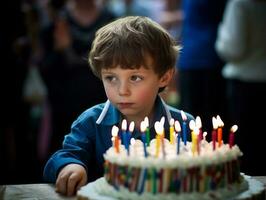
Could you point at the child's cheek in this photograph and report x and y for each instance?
(144, 95)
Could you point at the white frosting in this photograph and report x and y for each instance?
(101, 190)
(185, 159)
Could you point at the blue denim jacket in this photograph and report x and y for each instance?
(90, 137)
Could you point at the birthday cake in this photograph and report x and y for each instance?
(172, 169)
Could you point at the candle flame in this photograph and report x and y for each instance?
(158, 128)
(198, 122)
(220, 122)
(234, 128)
(146, 119)
(124, 125)
(177, 126)
(214, 123)
(172, 121)
(115, 130)
(143, 126)
(131, 126)
(184, 117)
(192, 125)
(204, 134)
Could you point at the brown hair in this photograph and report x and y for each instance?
(126, 42)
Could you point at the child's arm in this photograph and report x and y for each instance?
(70, 179)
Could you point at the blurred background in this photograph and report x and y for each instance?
(45, 78)
(46, 82)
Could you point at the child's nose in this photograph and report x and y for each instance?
(124, 89)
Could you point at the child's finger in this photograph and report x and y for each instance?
(61, 183)
(82, 182)
(71, 184)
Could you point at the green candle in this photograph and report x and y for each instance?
(147, 131)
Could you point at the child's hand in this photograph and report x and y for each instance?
(70, 179)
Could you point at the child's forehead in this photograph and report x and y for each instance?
(116, 68)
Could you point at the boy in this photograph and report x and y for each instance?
(135, 58)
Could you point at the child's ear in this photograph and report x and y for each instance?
(166, 78)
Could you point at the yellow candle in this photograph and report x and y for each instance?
(171, 131)
(192, 127)
(159, 131)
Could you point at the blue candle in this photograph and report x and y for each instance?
(178, 143)
(143, 136)
(184, 127)
(130, 131)
(178, 130)
(124, 135)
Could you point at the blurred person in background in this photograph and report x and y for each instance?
(64, 67)
(241, 43)
(201, 85)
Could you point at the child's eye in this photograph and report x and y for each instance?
(110, 78)
(136, 78)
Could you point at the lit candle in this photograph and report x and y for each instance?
(131, 130)
(143, 136)
(232, 135)
(214, 134)
(184, 127)
(147, 131)
(125, 135)
(199, 125)
(158, 130)
(192, 126)
(178, 131)
(198, 140)
(162, 121)
(220, 130)
(171, 131)
(115, 131)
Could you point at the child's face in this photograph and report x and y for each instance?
(132, 91)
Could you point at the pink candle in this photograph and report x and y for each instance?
(232, 135)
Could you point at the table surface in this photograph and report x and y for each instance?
(44, 191)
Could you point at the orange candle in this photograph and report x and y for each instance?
(199, 125)
(115, 130)
(220, 130)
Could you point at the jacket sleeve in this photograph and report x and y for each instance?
(78, 147)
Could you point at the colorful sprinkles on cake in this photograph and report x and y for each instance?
(175, 165)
